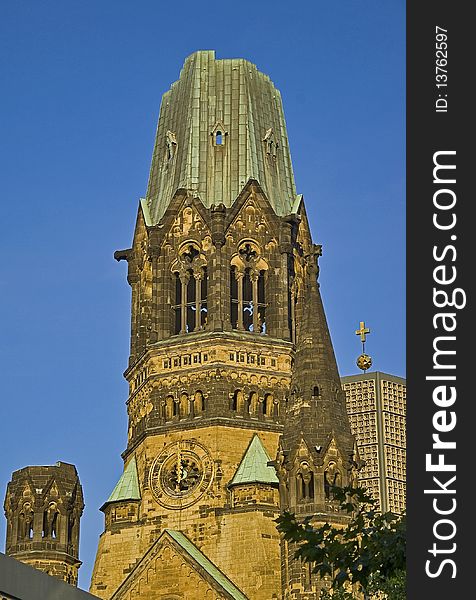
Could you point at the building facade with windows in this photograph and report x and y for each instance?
(376, 404)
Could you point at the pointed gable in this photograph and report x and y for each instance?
(195, 576)
(254, 466)
(127, 488)
(206, 564)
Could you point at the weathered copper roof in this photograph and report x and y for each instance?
(127, 488)
(220, 125)
(254, 465)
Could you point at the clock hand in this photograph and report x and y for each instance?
(179, 467)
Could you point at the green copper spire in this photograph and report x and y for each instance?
(220, 124)
(127, 488)
(254, 465)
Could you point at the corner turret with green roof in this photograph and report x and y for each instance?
(127, 488)
(254, 466)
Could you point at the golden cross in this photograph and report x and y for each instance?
(362, 331)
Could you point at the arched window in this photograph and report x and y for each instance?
(50, 521)
(218, 135)
(177, 308)
(268, 405)
(25, 524)
(170, 408)
(332, 478)
(253, 404)
(199, 402)
(191, 320)
(191, 291)
(234, 298)
(315, 391)
(203, 308)
(237, 403)
(184, 405)
(305, 482)
(247, 300)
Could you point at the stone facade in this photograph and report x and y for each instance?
(235, 406)
(43, 507)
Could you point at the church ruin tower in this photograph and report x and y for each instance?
(224, 358)
(43, 507)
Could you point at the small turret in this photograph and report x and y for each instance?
(43, 506)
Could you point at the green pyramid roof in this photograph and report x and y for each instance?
(127, 488)
(206, 564)
(254, 465)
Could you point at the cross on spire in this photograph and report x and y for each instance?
(364, 361)
(362, 331)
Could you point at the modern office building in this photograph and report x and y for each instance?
(376, 405)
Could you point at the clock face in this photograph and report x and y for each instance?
(181, 474)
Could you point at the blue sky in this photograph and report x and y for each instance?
(81, 87)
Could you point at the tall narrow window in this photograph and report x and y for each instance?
(190, 308)
(268, 405)
(184, 405)
(191, 303)
(247, 300)
(305, 482)
(247, 285)
(234, 298)
(170, 408)
(237, 402)
(199, 402)
(177, 308)
(253, 404)
(218, 138)
(203, 308)
(261, 304)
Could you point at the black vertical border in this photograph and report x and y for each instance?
(429, 132)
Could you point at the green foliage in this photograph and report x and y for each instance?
(368, 554)
(336, 594)
(391, 588)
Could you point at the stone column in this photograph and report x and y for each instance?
(37, 526)
(198, 299)
(184, 278)
(217, 276)
(239, 278)
(254, 276)
(62, 522)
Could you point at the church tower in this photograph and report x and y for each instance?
(43, 506)
(235, 407)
